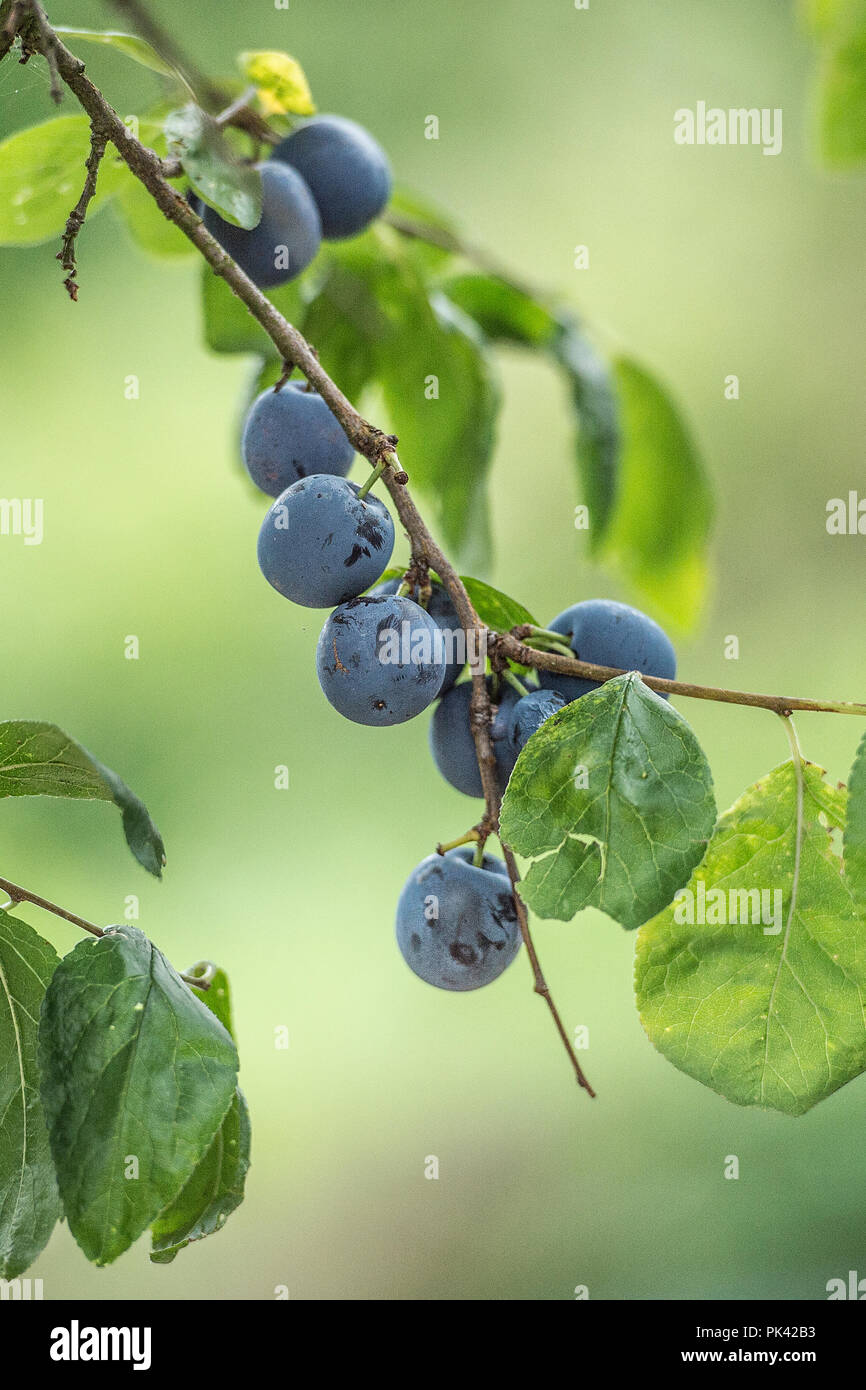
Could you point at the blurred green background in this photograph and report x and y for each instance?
(556, 129)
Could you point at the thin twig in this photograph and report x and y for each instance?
(75, 221)
(23, 895)
(510, 645)
(236, 107)
(48, 42)
(541, 985)
(458, 246)
(17, 894)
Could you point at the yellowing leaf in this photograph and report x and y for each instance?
(282, 86)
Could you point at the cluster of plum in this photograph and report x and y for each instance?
(328, 178)
(384, 655)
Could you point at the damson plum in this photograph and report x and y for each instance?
(453, 746)
(290, 434)
(610, 634)
(345, 169)
(527, 715)
(457, 924)
(380, 659)
(287, 237)
(442, 611)
(321, 544)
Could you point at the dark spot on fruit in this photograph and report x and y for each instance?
(506, 910)
(462, 952)
(416, 941)
(357, 553)
(370, 530)
(484, 943)
(299, 468)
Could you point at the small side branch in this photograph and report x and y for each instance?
(40, 38)
(75, 220)
(512, 646)
(17, 895)
(23, 895)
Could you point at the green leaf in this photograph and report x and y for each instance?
(842, 103)
(233, 189)
(228, 324)
(507, 314)
(616, 795)
(337, 321)
(767, 1012)
(219, 997)
(214, 1191)
(42, 174)
(29, 1201)
(660, 525)
(446, 441)
(501, 311)
(836, 20)
(854, 841)
(38, 759)
(280, 82)
(599, 439)
(149, 228)
(374, 318)
(216, 1188)
(137, 1076)
(496, 610)
(408, 208)
(840, 27)
(128, 44)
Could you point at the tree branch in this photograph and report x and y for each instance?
(373, 443)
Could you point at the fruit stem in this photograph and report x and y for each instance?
(514, 681)
(469, 838)
(478, 856)
(373, 478)
(547, 634)
(544, 644)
